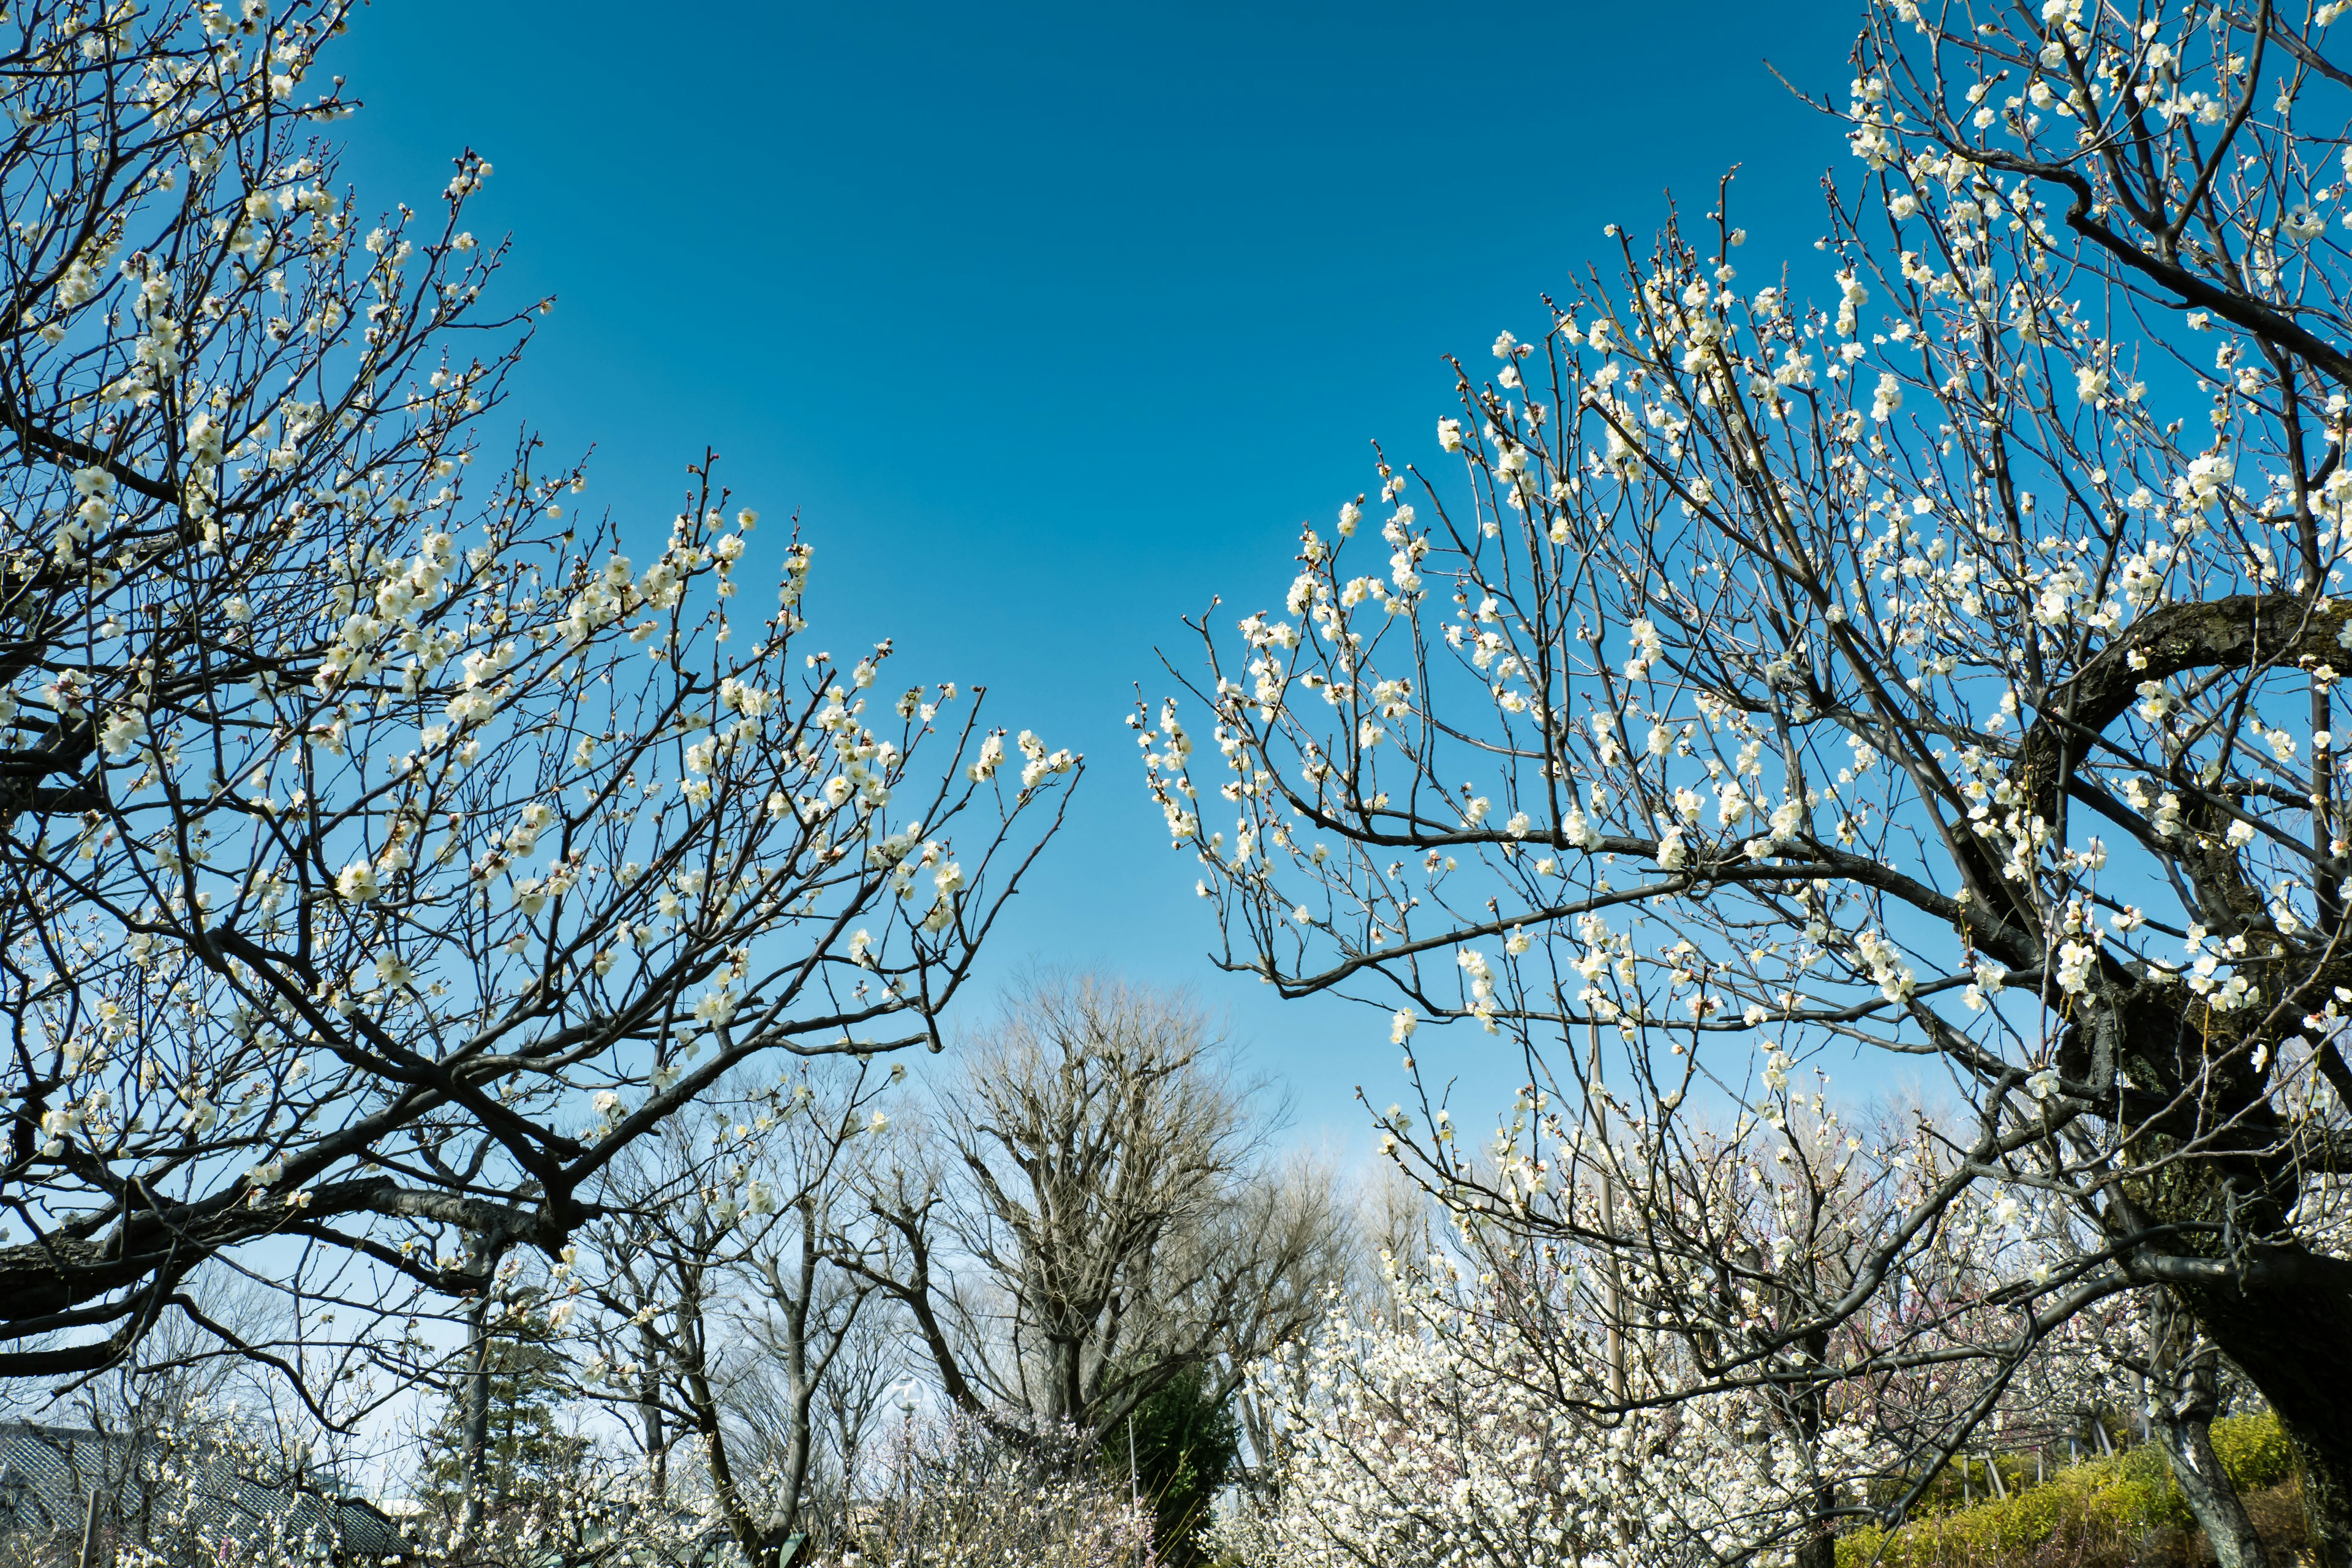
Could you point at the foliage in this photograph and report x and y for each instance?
(2118, 1497)
(1182, 1443)
(2254, 1450)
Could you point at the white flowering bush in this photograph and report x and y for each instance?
(945, 1492)
(963, 1496)
(604, 1509)
(1926, 649)
(214, 1488)
(1443, 1432)
(383, 846)
(175, 1482)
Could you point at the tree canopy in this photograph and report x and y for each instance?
(382, 849)
(1928, 650)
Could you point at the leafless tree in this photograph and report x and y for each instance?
(721, 1313)
(1092, 1209)
(868, 1361)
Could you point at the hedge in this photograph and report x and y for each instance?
(2118, 1496)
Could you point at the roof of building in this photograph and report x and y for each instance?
(48, 1476)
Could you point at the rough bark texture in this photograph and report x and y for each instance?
(2184, 1413)
(477, 1419)
(2296, 1343)
(2212, 1218)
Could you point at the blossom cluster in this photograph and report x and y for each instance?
(1924, 648)
(1440, 1431)
(388, 845)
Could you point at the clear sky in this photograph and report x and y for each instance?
(1053, 322)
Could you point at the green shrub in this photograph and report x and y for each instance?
(2254, 1453)
(1182, 1446)
(2117, 1496)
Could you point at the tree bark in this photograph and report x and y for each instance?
(800, 1386)
(2183, 1419)
(649, 1402)
(2294, 1339)
(477, 1413)
(1818, 1547)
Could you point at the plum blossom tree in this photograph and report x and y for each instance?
(1944, 669)
(1450, 1430)
(383, 851)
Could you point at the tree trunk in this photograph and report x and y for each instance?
(478, 1416)
(2291, 1335)
(649, 1400)
(800, 1387)
(2220, 1165)
(1818, 1547)
(2186, 1440)
(2183, 1420)
(693, 1349)
(796, 1465)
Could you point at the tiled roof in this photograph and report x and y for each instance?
(48, 1475)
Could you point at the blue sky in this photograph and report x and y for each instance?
(1053, 322)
